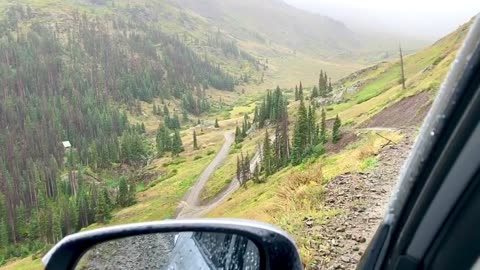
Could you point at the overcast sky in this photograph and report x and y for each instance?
(429, 19)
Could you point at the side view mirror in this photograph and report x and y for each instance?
(177, 244)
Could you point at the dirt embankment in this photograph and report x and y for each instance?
(362, 198)
(346, 138)
(407, 112)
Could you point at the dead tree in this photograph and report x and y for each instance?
(401, 66)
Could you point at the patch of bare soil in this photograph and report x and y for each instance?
(407, 112)
(346, 138)
(361, 199)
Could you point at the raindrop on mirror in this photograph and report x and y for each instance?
(174, 251)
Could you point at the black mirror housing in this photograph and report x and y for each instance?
(277, 249)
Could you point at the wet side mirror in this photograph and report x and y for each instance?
(177, 244)
(184, 250)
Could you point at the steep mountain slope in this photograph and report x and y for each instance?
(376, 112)
(70, 72)
(90, 71)
(274, 21)
(366, 92)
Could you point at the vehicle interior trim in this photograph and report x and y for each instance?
(457, 180)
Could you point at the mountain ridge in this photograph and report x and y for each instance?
(294, 28)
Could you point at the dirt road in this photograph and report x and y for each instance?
(222, 196)
(362, 198)
(189, 207)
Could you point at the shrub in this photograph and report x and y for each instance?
(369, 163)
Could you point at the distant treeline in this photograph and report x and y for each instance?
(279, 149)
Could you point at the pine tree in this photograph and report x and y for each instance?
(314, 93)
(195, 143)
(166, 112)
(262, 114)
(102, 210)
(177, 145)
(321, 84)
(312, 129)
(330, 88)
(267, 155)
(133, 148)
(256, 174)
(246, 168)
(107, 199)
(300, 135)
(164, 143)
(325, 82)
(238, 135)
(324, 86)
(283, 140)
(122, 195)
(216, 124)
(246, 125)
(255, 115)
(336, 130)
(184, 115)
(56, 227)
(239, 170)
(300, 92)
(175, 122)
(131, 192)
(4, 241)
(323, 128)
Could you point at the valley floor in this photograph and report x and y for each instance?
(363, 198)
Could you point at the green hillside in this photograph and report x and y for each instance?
(371, 98)
(368, 91)
(80, 74)
(130, 84)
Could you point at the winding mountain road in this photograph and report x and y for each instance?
(190, 207)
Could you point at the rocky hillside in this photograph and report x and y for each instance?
(362, 196)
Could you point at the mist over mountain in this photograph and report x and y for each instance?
(305, 27)
(275, 21)
(417, 20)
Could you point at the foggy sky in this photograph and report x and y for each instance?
(426, 19)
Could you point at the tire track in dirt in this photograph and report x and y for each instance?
(191, 206)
